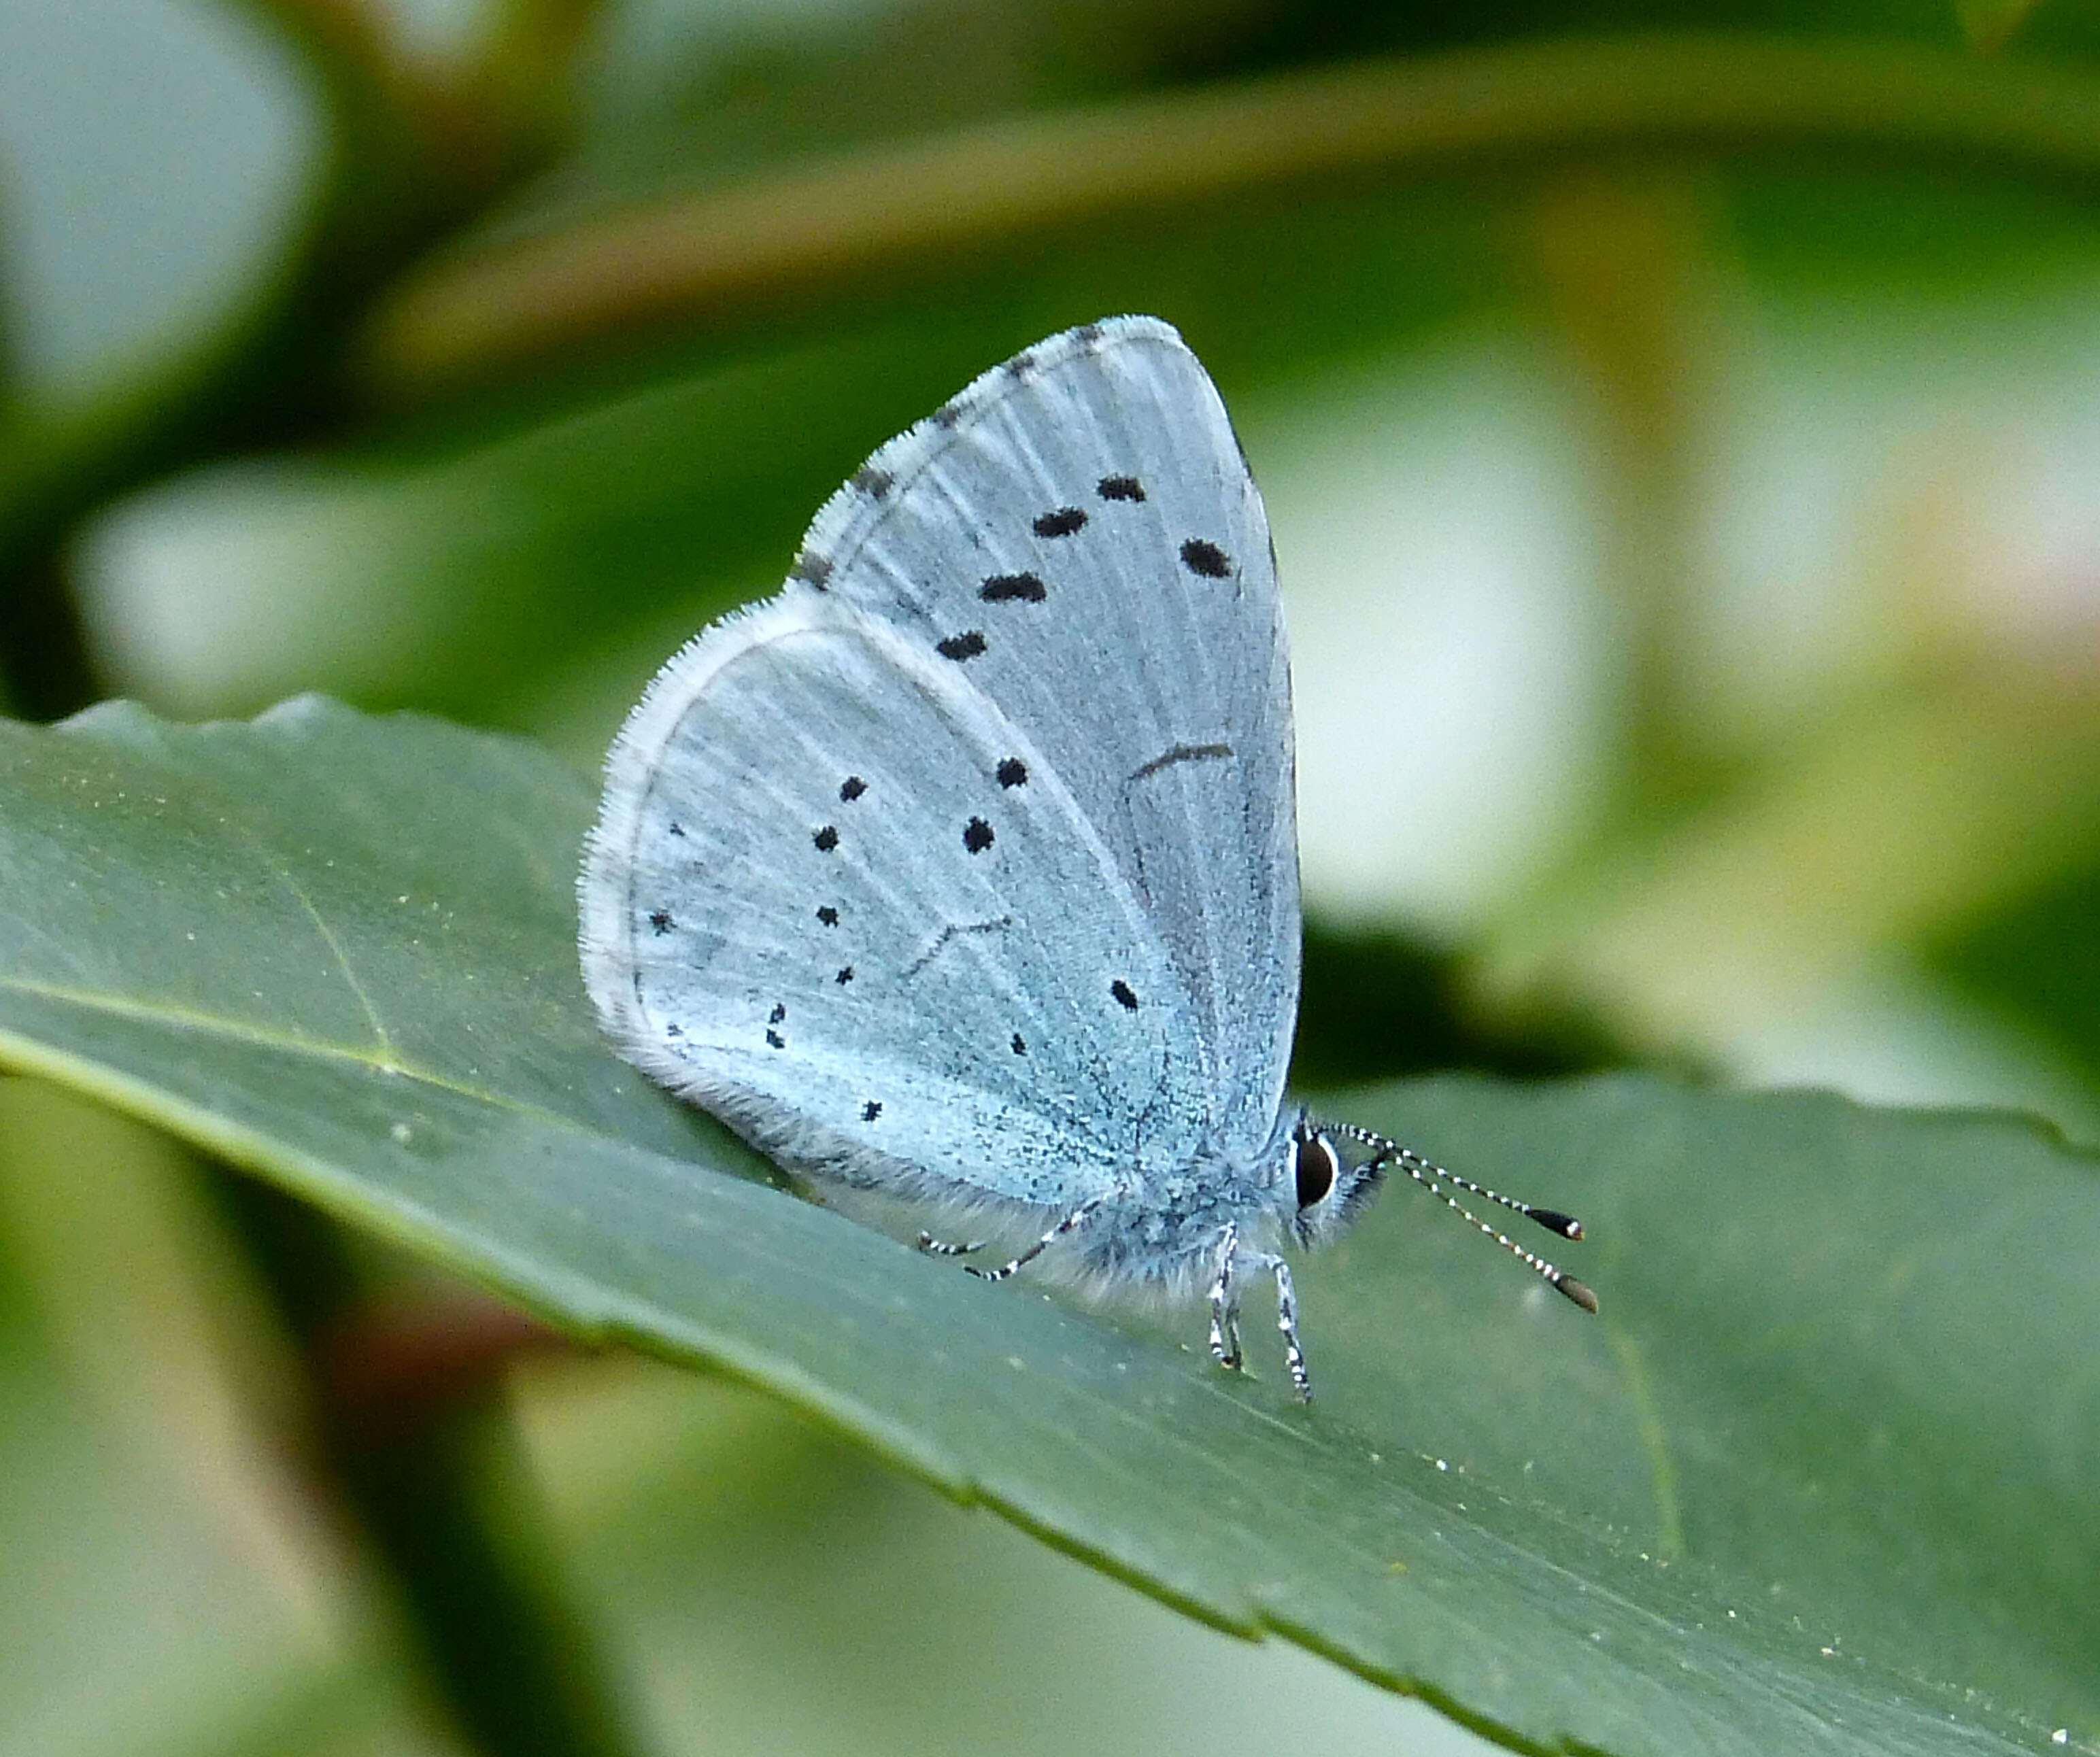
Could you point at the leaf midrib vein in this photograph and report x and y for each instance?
(383, 1058)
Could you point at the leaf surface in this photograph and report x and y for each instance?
(1818, 1480)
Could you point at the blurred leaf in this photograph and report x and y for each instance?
(170, 1593)
(461, 583)
(2038, 959)
(1891, 822)
(535, 560)
(1381, 1004)
(404, 159)
(1805, 1487)
(748, 1571)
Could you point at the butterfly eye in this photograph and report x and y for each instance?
(1318, 1166)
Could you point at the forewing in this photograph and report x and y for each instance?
(1079, 529)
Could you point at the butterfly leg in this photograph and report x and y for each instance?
(1287, 1321)
(1076, 1218)
(1224, 1304)
(933, 1247)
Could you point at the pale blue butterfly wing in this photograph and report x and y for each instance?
(965, 868)
(967, 864)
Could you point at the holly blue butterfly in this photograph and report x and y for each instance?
(963, 871)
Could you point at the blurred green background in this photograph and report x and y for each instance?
(1681, 427)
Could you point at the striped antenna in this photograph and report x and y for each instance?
(1433, 1179)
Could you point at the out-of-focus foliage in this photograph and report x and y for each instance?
(1677, 426)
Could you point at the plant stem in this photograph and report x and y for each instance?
(729, 258)
(510, 1658)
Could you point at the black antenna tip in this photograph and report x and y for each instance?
(1566, 1225)
(1582, 1296)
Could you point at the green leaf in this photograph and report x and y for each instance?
(1818, 1480)
(2035, 961)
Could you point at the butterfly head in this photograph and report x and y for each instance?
(1333, 1176)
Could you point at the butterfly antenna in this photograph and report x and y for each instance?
(1433, 1179)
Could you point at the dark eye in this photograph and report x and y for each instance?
(1318, 1166)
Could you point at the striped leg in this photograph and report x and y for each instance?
(1076, 1218)
(933, 1247)
(1287, 1321)
(1224, 1304)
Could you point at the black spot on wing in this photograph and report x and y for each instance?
(1008, 589)
(1120, 488)
(948, 415)
(1201, 556)
(1087, 335)
(1126, 997)
(1022, 363)
(826, 838)
(1012, 772)
(965, 645)
(774, 1040)
(870, 1110)
(677, 828)
(811, 568)
(660, 920)
(1061, 523)
(872, 482)
(845, 976)
(1020, 1047)
(976, 835)
(778, 1014)
(852, 788)
(827, 915)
